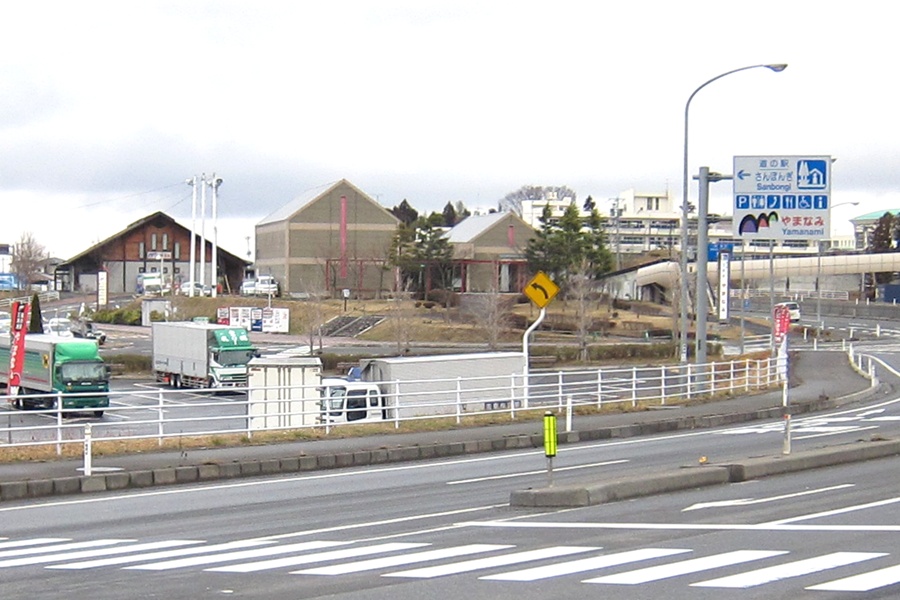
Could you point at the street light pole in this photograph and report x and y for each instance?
(684, 204)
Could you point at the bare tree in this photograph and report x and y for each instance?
(400, 315)
(28, 259)
(579, 291)
(490, 312)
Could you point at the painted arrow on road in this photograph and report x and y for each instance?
(749, 501)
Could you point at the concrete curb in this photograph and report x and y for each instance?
(211, 471)
(695, 477)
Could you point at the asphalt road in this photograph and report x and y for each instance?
(443, 528)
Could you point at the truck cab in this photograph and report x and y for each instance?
(345, 401)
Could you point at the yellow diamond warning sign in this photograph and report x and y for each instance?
(541, 289)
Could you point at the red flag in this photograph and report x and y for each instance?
(20, 314)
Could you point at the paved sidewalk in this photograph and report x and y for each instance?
(820, 381)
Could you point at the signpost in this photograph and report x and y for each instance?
(781, 324)
(724, 287)
(782, 197)
(541, 290)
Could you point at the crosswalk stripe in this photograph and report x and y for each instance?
(494, 561)
(121, 560)
(293, 561)
(685, 567)
(47, 558)
(788, 570)
(32, 542)
(864, 582)
(232, 556)
(406, 559)
(58, 548)
(585, 564)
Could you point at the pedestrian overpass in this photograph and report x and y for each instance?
(666, 274)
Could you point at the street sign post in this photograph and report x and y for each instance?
(541, 290)
(782, 197)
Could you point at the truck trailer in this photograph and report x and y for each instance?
(201, 355)
(410, 386)
(59, 367)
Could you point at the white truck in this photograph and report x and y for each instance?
(410, 386)
(201, 355)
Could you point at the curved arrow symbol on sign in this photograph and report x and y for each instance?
(540, 287)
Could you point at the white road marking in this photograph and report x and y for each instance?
(61, 547)
(46, 558)
(293, 561)
(194, 561)
(406, 559)
(748, 501)
(585, 564)
(494, 561)
(685, 567)
(121, 560)
(787, 570)
(682, 526)
(538, 472)
(837, 511)
(864, 582)
(32, 542)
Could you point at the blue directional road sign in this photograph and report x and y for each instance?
(782, 197)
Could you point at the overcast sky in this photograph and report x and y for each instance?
(107, 107)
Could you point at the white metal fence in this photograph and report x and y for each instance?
(160, 414)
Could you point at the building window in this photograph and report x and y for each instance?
(153, 241)
(141, 251)
(165, 241)
(177, 250)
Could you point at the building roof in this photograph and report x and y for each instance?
(308, 197)
(874, 216)
(473, 226)
(138, 224)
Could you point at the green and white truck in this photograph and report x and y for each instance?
(201, 355)
(59, 367)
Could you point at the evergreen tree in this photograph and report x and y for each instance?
(564, 247)
(450, 218)
(36, 322)
(405, 212)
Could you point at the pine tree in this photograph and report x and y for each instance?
(36, 323)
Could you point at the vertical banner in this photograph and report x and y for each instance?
(20, 315)
(102, 288)
(724, 285)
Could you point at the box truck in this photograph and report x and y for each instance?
(201, 355)
(59, 367)
(409, 386)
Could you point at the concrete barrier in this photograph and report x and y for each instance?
(591, 493)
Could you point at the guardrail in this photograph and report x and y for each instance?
(162, 414)
(43, 296)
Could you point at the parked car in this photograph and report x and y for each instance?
(85, 329)
(793, 310)
(199, 289)
(267, 285)
(60, 326)
(248, 287)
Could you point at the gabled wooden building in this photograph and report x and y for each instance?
(155, 244)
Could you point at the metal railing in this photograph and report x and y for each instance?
(162, 414)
